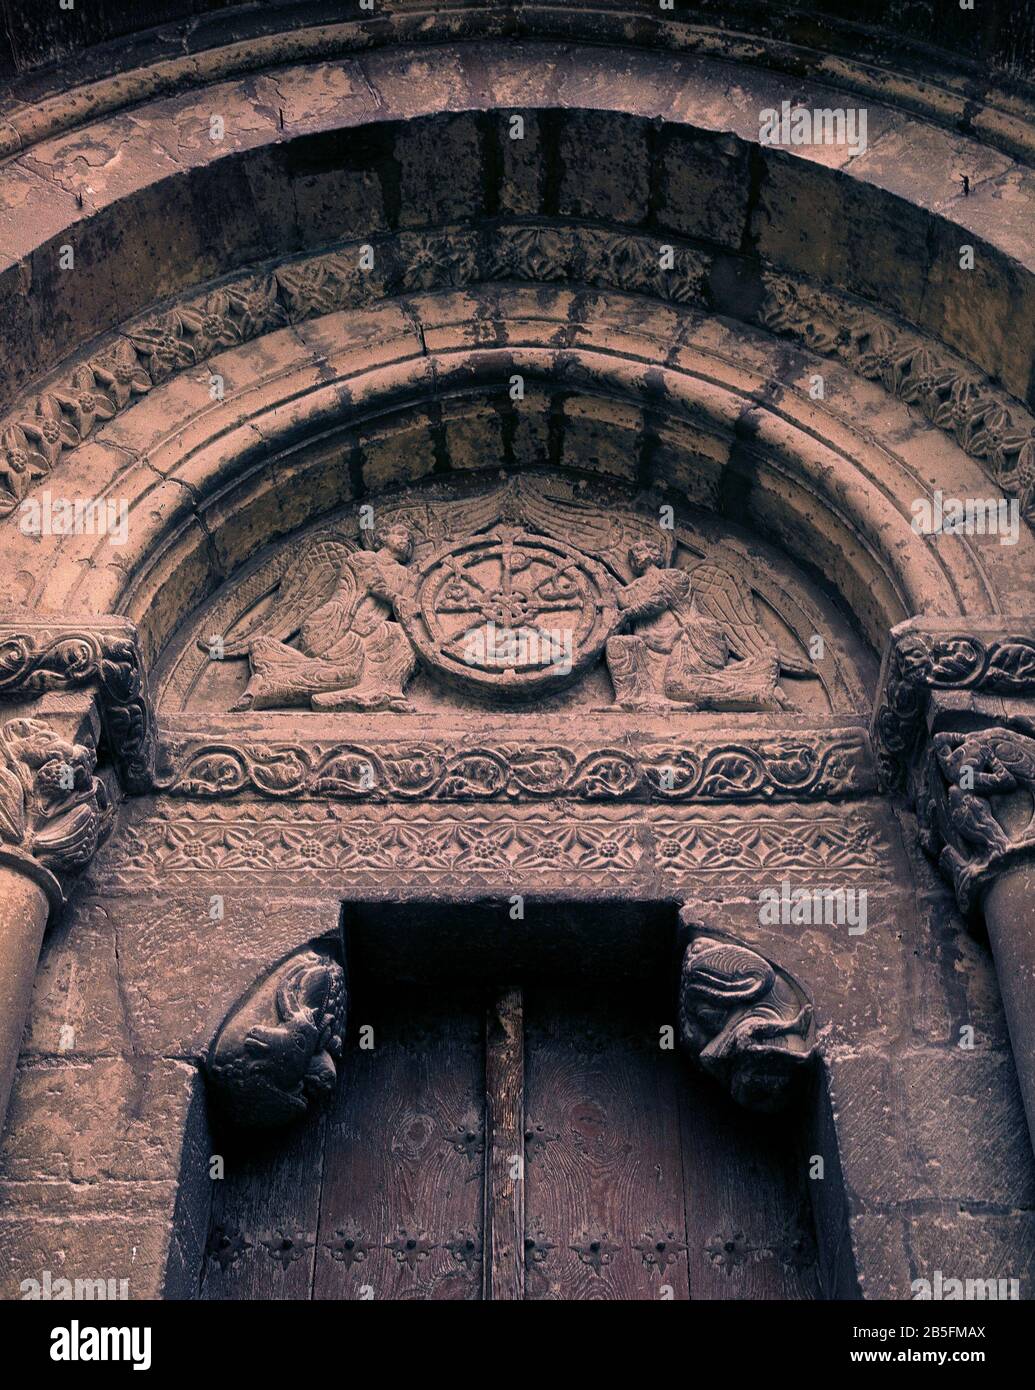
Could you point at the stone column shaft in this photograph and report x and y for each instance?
(53, 814)
(24, 908)
(1009, 909)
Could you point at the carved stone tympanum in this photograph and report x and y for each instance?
(278, 1051)
(511, 593)
(743, 1020)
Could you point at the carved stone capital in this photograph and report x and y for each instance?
(53, 811)
(743, 1019)
(924, 657)
(41, 655)
(277, 1053)
(974, 796)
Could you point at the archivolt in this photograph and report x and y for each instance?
(688, 391)
(350, 403)
(151, 203)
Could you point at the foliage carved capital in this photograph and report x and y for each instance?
(925, 657)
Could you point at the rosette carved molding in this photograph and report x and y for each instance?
(442, 849)
(38, 656)
(990, 425)
(278, 1052)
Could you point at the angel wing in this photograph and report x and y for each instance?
(588, 526)
(435, 522)
(307, 584)
(720, 595)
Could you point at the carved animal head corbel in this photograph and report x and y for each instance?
(277, 1053)
(743, 1019)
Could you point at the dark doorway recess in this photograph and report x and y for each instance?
(513, 1138)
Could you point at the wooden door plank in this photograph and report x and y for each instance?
(504, 1263)
(402, 1208)
(749, 1231)
(604, 1175)
(262, 1232)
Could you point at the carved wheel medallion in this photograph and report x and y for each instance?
(511, 613)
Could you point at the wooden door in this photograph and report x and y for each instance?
(518, 1143)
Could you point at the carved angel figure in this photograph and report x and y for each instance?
(277, 1052)
(744, 1021)
(340, 602)
(696, 639)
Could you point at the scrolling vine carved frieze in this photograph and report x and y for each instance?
(759, 765)
(37, 656)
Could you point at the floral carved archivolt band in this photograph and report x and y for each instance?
(988, 424)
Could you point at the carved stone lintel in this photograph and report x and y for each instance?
(277, 1053)
(742, 1019)
(759, 764)
(924, 656)
(967, 804)
(37, 656)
